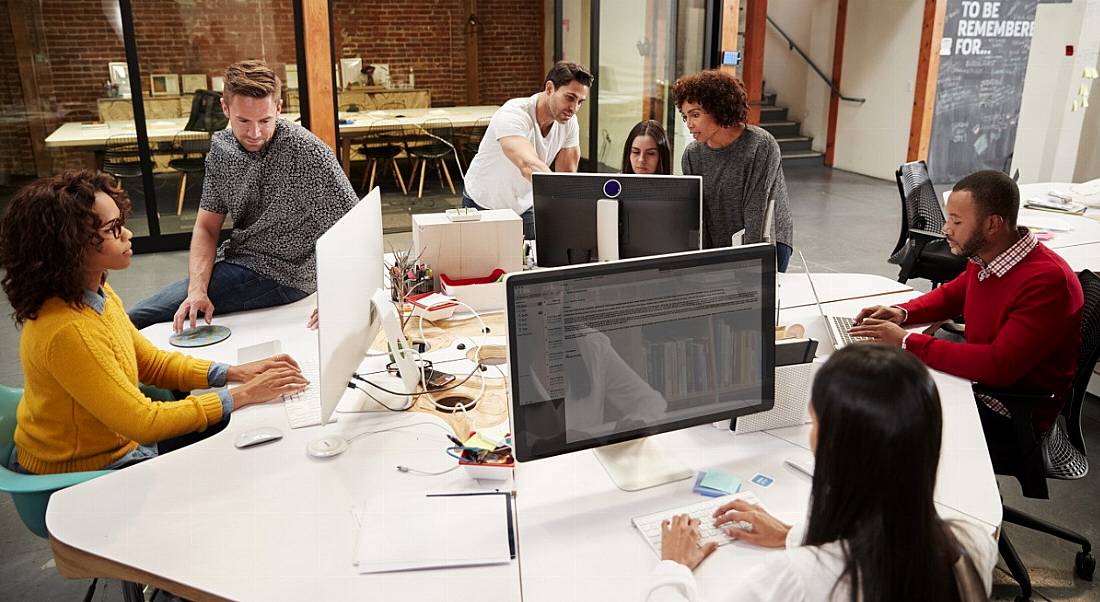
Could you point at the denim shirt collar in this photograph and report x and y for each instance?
(96, 300)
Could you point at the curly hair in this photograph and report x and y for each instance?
(721, 95)
(45, 234)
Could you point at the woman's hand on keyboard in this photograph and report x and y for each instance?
(246, 372)
(680, 542)
(268, 385)
(767, 531)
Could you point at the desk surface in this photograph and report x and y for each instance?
(273, 523)
(1082, 229)
(79, 134)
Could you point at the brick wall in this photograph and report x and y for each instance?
(203, 36)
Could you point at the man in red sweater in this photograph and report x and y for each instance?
(1021, 303)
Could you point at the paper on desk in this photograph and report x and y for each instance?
(422, 532)
(1053, 224)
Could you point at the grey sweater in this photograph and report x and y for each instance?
(738, 180)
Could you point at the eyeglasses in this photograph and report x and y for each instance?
(114, 227)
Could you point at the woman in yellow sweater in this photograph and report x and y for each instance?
(82, 358)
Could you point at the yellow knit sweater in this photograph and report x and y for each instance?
(81, 407)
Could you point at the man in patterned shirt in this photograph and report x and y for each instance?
(282, 187)
(1021, 301)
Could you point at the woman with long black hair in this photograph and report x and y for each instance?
(872, 534)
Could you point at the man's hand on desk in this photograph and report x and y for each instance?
(767, 531)
(880, 331)
(680, 542)
(881, 312)
(314, 321)
(189, 310)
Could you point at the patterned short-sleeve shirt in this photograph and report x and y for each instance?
(281, 199)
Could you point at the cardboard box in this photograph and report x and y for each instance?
(469, 249)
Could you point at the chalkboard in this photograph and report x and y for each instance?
(983, 60)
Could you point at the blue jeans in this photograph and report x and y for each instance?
(528, 216)
(782, 256)
(232, 288)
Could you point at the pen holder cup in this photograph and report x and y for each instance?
(486, 471)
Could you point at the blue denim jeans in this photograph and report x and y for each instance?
(528, 216)
(232, 288)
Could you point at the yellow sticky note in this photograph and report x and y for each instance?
(1085, 102)
(1090, 72)
(1074, 108)
(479, 442)
(1083, 90)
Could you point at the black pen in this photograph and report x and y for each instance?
(455, 440)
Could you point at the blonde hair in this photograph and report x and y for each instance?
(251, 78)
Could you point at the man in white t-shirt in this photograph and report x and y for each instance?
(525, 136)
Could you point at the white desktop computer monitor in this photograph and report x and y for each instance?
(349, 273)
(608, 353)
(644, 215)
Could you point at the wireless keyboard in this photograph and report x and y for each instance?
(650, 524)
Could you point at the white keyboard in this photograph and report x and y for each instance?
(650, 524)
(304, 408)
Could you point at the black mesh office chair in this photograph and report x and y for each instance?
(1057, 454)
(922, 251)
(381, 144)
(431, 142)
(120, 157)
(192, 146)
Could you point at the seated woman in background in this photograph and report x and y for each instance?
(647, 150)
(739, 163)
(82, 358)
(872, 533)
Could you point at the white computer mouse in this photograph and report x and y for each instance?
(326, 447)
(257, 436)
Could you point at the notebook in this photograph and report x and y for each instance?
(436, 530)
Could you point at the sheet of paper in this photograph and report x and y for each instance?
(258, 351)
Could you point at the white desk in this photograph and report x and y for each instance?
(793, 289)
(1085, 228)
(574, 523)
(272, 523)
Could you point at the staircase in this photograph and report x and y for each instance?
(795, 149)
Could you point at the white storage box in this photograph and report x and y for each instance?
(469, 249)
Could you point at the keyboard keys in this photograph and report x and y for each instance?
(650, 525)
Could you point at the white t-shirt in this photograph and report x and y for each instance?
(806, 573)
(493, 181)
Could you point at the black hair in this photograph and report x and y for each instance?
(878, 448)
(654, 130)
(994, 193)
(564, 72)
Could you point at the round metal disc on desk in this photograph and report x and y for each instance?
(200, 336)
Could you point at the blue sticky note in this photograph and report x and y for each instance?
(762, 480)
(721, 481)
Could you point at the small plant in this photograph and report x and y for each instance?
(408, 276)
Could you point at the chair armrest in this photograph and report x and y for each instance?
(13, 482)
(924, 236)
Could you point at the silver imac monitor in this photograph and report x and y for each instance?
(349, 273)
(647, 215)
(609, 353)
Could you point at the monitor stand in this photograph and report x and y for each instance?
(641, 464)
(607, 230)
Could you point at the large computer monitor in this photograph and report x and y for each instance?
(613, 352)
(351, 311)
(656, 215)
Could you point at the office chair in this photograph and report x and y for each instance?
(470, 139)
(432, 141)
(206, 112)
(1057, 454)
(120, 157)
(921, 250)
(382, 143)
(193, 147)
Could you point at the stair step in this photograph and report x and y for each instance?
(768, 100)
(795, 143)
(782, 129)
(802, 158)
(773, 114)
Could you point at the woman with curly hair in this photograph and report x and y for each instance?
(82, 408)
(739, 163)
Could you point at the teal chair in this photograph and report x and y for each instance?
(31, 493)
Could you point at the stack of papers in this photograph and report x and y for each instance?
(435, 531)
(715, 483)
(1055, 204)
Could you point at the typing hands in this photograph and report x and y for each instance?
(767, 531)
(680, 542)
(266, 379)
(881, 324)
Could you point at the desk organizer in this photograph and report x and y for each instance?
(483, 293)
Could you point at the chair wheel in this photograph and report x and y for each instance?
(1084, 565)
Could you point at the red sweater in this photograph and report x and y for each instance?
(1022, 329)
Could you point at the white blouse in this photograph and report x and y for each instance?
(807, 573)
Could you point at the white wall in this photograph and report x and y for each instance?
(1049, 135)
(880, 64)
(812, 25)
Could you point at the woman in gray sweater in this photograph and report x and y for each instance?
(739, 163)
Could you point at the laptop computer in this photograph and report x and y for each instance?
(837, 326)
